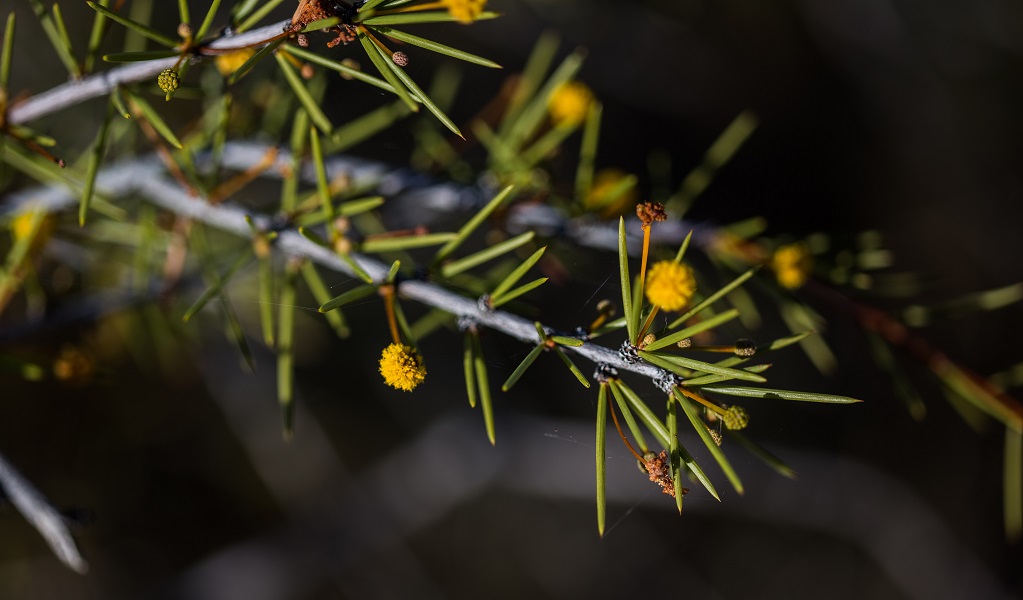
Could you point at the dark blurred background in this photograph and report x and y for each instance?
(900, 117)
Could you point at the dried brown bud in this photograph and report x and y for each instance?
(658, 468)
(307, 71)
(185, 30)
(649, 212)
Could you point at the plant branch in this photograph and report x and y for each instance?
(77, 91)
(42, 515)
(144, 177)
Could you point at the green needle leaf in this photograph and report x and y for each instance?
(303, 95)
(248, 20)
(519, 370)
(352, 295)
(392, 244)
(601, 458)
(319, 290)
(630, 420)
(697, 471)
(676, 456)
(713, 297)
(422, 17)
(215, 289)
(208, 21)
(780, 394)
(472, 224)
(571, 367)
(128, 57)
(285, 349)
(143, 30)
(266, 299)
(463, 264)
(513, 294)
(7, 51)
(95, 157)
(668, 361)
(483, 383)
(254, 60)
(384, 66)
(763, 454)
(154, 119)
(183, 12)
(688, 332)
(340, 68)
(701, 429)
(516, 275)
(56, 33)
(469, 366)
(415, 40)
(631, 320)
(653, 424)
(685, 246)
(411, 85)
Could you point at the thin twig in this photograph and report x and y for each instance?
(42, 515)
(75, 92)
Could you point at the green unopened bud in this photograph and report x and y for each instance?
(169, 81)
(735, 418)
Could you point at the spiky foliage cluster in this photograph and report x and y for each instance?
(192, 213)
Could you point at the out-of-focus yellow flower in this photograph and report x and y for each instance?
(29, 224)
(465, 11)
(569, 103)
(73, 366)
(607, 196)
(230, 62)
(402, 367)
(670, 285)
(792, 265)
(735, 418)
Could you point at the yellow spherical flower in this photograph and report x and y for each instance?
(569, 103)
(792, 265)
(670, 285)
(611, 193)
(230, 62)
(402, 367)
(25, 225)
(465, 11)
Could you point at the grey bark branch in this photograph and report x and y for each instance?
(145, 178)
(42, 515)
(101, 84)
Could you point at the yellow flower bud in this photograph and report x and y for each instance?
(168, 80)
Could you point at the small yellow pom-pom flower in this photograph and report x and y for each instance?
(168, 80)
(612, 193)
(230, 62)
(402, 367)
(792, 265)
(735, 418)
(670, 285)
(465, 11)
(569, 103)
